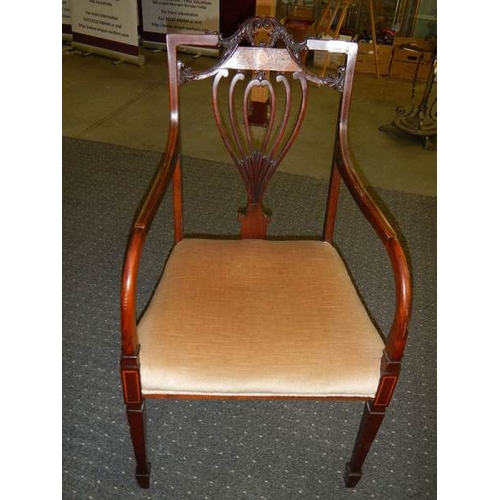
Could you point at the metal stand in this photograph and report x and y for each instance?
(422, 121)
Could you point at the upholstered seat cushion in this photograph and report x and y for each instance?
(254, 317)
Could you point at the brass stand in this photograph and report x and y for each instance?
(422, 121)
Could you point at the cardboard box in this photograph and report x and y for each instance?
(365, 61)
(406, 71)
(423, 48)
(405, 60)
(384, 51)
(369, 66)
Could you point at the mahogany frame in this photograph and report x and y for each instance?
(278, 52)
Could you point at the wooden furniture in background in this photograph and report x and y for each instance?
(260, 98)
(340, 8)
(251, 317)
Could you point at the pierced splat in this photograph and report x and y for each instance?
(257, 153)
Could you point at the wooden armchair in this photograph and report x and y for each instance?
(250, 317)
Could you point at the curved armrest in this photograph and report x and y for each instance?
(128, 291)
(396, 340)
(140, 230)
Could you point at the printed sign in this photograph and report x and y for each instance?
(110, 26)
(162, 16)
(66, 18)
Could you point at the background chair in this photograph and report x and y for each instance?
(252, 317)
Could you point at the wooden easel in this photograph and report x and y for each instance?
(259, 95)
(327, 18)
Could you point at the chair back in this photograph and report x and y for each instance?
(260, 70)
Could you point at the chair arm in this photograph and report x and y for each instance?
(396, 340)
(128, 291)
(155, 195)
(161, 182)
(138, 236)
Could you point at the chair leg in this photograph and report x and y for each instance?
(136, 415)
(370, 424)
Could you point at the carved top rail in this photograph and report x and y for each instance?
(267, 33)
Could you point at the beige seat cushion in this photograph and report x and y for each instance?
(261, 318)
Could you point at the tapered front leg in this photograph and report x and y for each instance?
(136, 416)
(370, 424)
(373, 415)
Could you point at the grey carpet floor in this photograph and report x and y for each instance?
(232, 449)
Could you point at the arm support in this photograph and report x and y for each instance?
(140, 230)
(396, 340)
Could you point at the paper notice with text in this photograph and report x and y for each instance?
(162, 16)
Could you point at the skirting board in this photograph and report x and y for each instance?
(139, 60)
